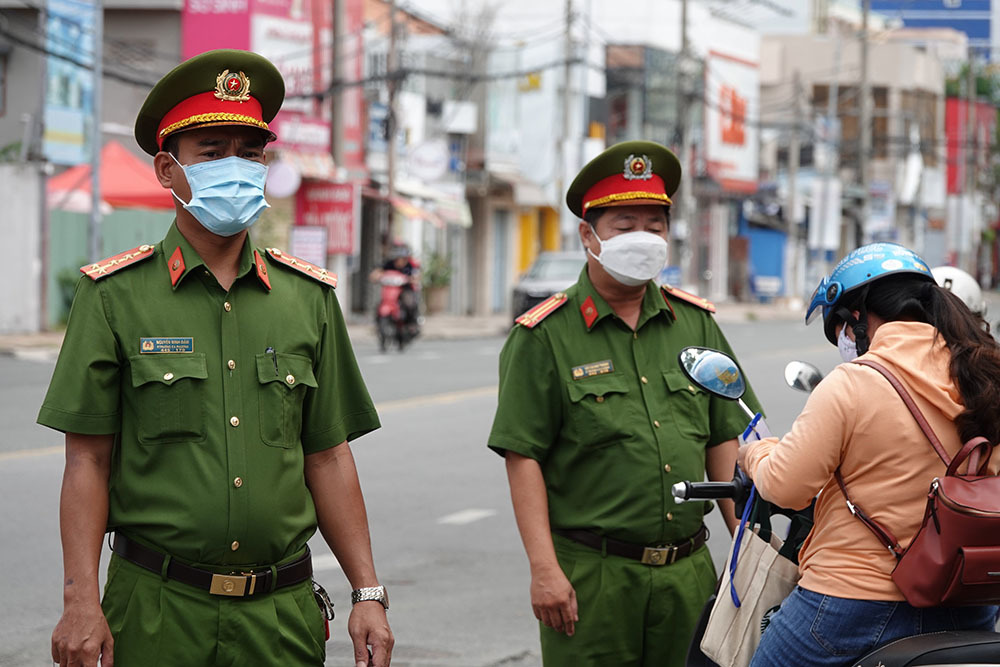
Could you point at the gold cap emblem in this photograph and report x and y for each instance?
(638, 168)
(232, 86)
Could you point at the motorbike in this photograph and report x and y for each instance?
(719, 375)
(396, 320)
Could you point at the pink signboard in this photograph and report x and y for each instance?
(214, 24)
(352, 51)
(335, 206)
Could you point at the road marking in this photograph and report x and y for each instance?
(466, 516)
(325, 562)
(31, 453)
(436, 399)
(385, 406)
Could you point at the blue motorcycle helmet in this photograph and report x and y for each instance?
(851, 277)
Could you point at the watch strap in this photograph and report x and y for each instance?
(376, 593)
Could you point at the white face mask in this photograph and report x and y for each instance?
(633, 258)
(848, 348)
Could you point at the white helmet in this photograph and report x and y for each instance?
(961, 285)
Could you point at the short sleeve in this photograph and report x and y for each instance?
(84, 394)
(339, 407)
(529, 406)
(727, 420)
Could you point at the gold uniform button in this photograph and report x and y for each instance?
(235, 421)
(228, 306)
(666, 468)
(235, 545)
(231, 364)
(656, 423)
(238, 482)
(168, 376)
(644, 380)
(290, 379)
(599, 399)
(670, 516)
(145, 248)
(176, 265)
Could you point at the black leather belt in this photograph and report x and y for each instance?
(235, 584)
(664, 554)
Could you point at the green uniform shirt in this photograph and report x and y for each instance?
(210, 437)
(610, 415)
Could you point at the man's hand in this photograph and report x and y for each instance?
(82, 636)
(553, 600)
(368, 626)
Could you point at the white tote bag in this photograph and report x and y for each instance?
(760, 579)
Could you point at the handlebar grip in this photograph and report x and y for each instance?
(686, 491)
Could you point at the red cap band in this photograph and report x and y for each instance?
(207, 109)
(616, 190)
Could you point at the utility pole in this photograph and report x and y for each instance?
(566, 232)
(683, 118)
(966, 210)
(392, 70)
(864, 122)
(339, 58)
(95, 137)
(832, 149)
(37, 152)
(791, 224)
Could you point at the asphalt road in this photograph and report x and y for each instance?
(443, 532)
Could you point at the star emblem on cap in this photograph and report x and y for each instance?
(638, 168)
(232, 86)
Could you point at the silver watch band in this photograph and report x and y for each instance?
(376, 593)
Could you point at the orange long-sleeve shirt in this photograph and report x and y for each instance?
(855, 419)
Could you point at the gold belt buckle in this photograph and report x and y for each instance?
(233, 585)
(659, 555)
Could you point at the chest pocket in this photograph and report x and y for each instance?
(282, 392)
(688, 405)
(170, 397)
(598, 409)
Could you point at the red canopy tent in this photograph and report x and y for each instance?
(126, 182)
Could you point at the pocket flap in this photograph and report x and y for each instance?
(167, 368)
(599, 385)
(677, 381)
(291, 370)
(982, 565)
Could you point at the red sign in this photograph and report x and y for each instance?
(734, 110)
(335, 206)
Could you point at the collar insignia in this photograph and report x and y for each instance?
(638, 168)
(232, 86)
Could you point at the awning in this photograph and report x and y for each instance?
(318, 165)
(526, 192)
(417, 201)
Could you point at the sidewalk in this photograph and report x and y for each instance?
(45, 344)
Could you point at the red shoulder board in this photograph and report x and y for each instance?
(106, 267)
(317, 273)
(704, 304)
(532, 317)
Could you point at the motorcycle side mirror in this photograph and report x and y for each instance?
(714, 372)
(802, 375)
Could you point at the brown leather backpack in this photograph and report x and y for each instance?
(954, 559)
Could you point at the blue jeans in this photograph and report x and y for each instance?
(814, 630)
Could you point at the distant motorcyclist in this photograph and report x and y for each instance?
(880, 302)
(401, 260)
(962, 285)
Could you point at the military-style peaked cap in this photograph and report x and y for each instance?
(629, 173)
(221, 87)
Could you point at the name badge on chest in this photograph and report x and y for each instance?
(166, 345)
(593, 368)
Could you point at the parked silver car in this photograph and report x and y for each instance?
(551, 272)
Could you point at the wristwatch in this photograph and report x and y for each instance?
(376, 593)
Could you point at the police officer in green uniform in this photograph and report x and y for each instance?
(208, 391)
(597, 421)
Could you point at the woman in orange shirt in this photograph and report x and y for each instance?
(881, 302)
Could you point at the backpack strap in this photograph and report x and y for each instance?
(884, 536)
(914, 410)
(973, 450)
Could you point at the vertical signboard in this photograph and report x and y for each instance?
(334, 206)
(214, 24)
(351, 98)
(69, 37)
(732, 97)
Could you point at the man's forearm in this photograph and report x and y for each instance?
(332, 478)
(720, 464)
(83, 513)
(531, 509)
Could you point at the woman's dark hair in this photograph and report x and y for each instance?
(591, 215)
(975, 354)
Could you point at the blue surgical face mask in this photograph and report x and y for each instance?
(227, 195)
